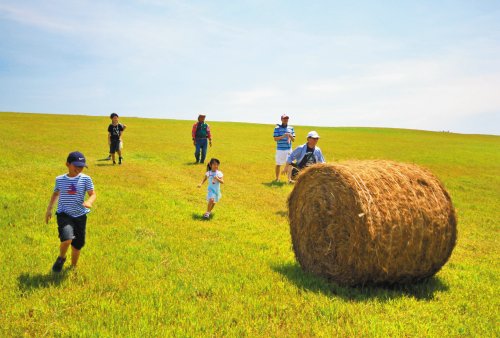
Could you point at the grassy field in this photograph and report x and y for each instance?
(153, 267)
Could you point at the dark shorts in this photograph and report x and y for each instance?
(114, 146)
(72, 228)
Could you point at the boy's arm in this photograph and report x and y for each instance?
(204, 179)
(121, 131)
(53, 199)
(109, 138)
(92, 196)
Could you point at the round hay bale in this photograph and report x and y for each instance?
(371, 222)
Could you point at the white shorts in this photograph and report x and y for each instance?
(281, 156)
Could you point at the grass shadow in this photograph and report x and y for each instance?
(103, 159)
(282, 213)
(424, 290)
(274, 184)
(199, 217)
(194, 163)
(28, 282)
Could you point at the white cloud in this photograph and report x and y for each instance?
(29, 16)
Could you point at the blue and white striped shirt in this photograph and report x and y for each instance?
(72, 194)
(285, 143)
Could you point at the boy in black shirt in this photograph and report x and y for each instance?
(115, 131)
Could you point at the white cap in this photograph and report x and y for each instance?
(313, 134)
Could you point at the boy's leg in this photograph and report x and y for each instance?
(79, 241)
(61, 259)
(63, 248)
(120, 158)
(75, 254)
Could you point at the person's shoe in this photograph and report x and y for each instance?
(58, 265)
(108, 158)
(206, 215)
(114, 162)
(120, 159)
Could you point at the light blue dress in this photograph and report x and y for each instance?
(213, 185)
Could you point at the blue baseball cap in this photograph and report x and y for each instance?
(77, 159)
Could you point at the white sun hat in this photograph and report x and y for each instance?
(313, 134)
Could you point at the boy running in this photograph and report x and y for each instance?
(72, 209)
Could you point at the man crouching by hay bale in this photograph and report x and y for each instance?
(305, 155)
(371, 222)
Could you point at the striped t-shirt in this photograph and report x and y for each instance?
(72, 194)
(285, 143)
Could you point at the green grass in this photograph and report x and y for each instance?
(152, 267)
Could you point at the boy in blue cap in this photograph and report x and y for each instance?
(72, 209)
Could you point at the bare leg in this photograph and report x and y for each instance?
(277, 169)
(75, 254)
(63, 248)
(211, 204)
(113, 157)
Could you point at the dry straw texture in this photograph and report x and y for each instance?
(371, 222)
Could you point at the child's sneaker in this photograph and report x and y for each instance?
(108, 158)
(58, 265)
(206, 215)
(120, 160)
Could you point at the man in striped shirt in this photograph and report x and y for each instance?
(72, 208)
(284, 135)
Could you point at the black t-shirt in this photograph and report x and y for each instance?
(115, 131)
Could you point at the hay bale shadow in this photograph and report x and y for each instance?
(424, 290)
(28, 282)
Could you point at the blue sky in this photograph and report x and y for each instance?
(431, 65)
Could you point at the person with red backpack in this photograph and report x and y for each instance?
(201, 136)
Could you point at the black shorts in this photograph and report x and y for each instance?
(114, 146)
(72, 228)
